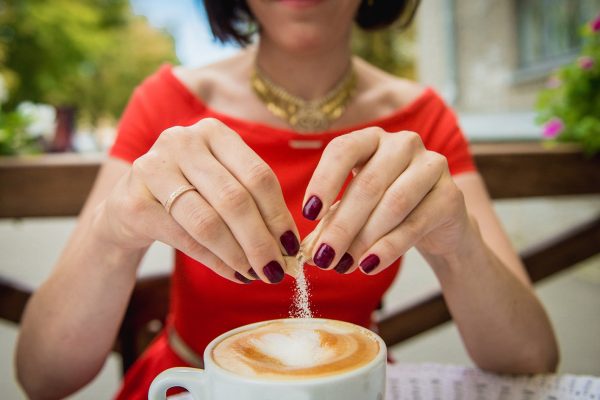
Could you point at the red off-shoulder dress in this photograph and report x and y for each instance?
(204, 305)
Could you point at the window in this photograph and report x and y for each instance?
(549, 29)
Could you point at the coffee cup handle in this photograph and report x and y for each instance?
(191, 379)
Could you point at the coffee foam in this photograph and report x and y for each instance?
(296, 349)
(280, 350)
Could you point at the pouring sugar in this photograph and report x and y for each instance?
(301, 304)
(295, 266)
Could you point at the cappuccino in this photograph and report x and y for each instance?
(296, 349)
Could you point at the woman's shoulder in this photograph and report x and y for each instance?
(392, 95)
(394, 98)
(216, 79)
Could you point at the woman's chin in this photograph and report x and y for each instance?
(303, 41)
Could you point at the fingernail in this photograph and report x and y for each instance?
(324, 256)
(369, 263)
(345, 263)
(273, 272)
(242, 278)
(312, 208)
(253, 273)
(290, 243)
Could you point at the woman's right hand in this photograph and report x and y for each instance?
(236, 222)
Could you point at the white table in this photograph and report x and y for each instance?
(441, 382)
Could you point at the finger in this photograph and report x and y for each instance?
(236, 207)
(207, 227)
(192, 212)
(340, 156)
(400, 199)
(360, 198)
(262, 184)
(308, 243)
(160, 226)
(422, 220)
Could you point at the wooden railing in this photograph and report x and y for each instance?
(57, 185)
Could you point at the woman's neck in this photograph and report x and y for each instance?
(308, 76)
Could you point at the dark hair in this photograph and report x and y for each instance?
(232, 20)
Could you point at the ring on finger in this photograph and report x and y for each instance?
(175, 195)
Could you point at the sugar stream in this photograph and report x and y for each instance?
(301, 305)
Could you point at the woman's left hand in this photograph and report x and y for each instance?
(402, 195)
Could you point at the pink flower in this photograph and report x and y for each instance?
(586, 62)
(595, 24)
(553, 128)
(553, 82)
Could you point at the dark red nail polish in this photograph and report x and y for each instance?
(273, 272)
(324, 256)
(253, 273)
(242, 278)
(312, 208)
(290, 243)
(369, 263)
(344, 264)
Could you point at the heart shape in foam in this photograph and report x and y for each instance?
(294, 349)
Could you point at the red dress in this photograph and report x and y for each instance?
(204, 305)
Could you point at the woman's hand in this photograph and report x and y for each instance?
(235, 222)
(402, 195)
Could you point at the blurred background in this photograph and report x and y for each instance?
(68, 67)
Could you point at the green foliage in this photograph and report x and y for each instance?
(84, 53)
(573, 96)
(389, 49)
(13, 135)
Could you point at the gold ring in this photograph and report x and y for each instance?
(175, 195)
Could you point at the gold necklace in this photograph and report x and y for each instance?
(304, 116)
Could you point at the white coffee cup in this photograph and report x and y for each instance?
(366, 382)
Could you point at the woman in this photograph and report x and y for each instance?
(231, 167)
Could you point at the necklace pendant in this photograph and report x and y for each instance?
(311, 119)
(305, 116)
